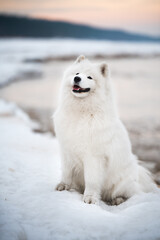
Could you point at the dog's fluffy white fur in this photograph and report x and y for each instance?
(96, 153)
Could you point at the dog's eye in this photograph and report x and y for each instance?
(77, 73)
(89, 77)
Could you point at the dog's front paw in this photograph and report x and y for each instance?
(90, 199)
(118, 200)
(62, 186)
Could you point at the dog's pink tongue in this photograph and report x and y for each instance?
(76, 87)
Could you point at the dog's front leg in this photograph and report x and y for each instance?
(92, 180)
(67, 168)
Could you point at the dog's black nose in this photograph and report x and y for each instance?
(77, 79)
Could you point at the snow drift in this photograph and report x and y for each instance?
(31, 209)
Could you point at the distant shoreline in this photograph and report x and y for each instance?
(96, 57)
(18, 26)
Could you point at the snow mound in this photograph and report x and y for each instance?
(30, 208)
(11, 110)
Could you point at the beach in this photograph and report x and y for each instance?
(137, 86)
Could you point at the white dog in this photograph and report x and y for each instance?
(95, 148)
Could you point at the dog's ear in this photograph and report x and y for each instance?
(80, 59)
(104, 69)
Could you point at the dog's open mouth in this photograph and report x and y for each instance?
(78, 89)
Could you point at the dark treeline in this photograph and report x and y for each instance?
(17, 26)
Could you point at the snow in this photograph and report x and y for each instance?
(30, 208)
(23, 48)
(17, 55)
(10, 109)
(15, 71)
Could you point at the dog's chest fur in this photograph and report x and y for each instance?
(86, 131)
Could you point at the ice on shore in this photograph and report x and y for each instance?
(20, 58)
(31, 209)
(12, 71)
(22, 48)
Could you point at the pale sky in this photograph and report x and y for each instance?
(141, 16)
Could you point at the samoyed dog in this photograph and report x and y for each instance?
(96, 153)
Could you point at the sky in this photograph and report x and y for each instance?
(141, 16)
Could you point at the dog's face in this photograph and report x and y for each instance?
(84, 78)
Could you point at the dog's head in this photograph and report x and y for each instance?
(84, 78)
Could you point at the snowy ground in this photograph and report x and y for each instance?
(30, 208)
